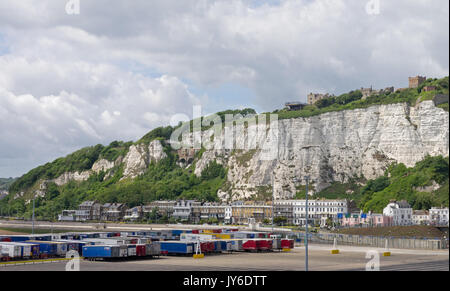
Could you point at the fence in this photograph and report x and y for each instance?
(379, 242)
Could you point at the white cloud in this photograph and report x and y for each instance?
(119, 69)
(103, 105)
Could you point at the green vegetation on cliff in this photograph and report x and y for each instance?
(353, 100)
(401, 183)
(163, 180)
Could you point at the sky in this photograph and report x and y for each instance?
(114, 70)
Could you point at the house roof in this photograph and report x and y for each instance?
(403, 204)
(87, 203)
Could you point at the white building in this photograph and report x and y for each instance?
(318, 210)
(401, 212)
(439, 216)
(67, 215)
(228, 214)
(420, 217)
(183, 209)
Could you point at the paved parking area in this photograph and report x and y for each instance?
(320, 259)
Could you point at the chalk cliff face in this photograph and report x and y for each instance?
(140, 156)
(69, 176)
(135, 163)
(336, 146)
(102, 165)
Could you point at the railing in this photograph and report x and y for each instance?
(380, 241)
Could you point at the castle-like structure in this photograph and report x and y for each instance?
(367, 92)
(415, 82)
(314, 97)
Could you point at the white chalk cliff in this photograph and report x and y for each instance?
(334, 146)
(337, 146)
(140, 156)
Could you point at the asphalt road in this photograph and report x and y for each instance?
(320, 259)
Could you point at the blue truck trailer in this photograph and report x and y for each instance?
(46, 248)
(73, 245)
(177, 247)
(101, 251)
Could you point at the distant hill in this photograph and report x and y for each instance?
(6, 182)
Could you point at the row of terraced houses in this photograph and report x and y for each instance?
(293, 212)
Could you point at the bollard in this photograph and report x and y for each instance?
(198, 252)
(335, 250)
(386, 252)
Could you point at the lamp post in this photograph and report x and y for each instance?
(306, 228)
(32, 225)
(273, 198)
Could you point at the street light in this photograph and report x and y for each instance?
(306, 228)
(32, 227)
(295, 180)
(273, 197)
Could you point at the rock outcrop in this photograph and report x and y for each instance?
(72, 176)
(140, 156)
(102, 165)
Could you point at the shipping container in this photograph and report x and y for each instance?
(287, 243)
(177, 247)
(35, 251)
(153, 249)
(141, 250)
(123, 251)
(276, 243)
(177, 232)
(101, 251)
(3, 256)
(131, 250)
(218, 246)
(237, 245)
(224, 235)
(61, 248)
(225, 245)
(19, 238)
(264, 244)
(249, 245)
(194, 237)
(25, 249)
(47, 248)
(74, 245)
(12, 250)
(41, 237)
(205, 247)
(108, 241)
(104, 235)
